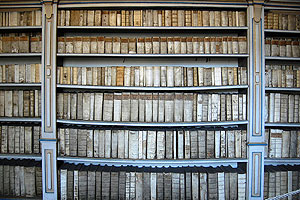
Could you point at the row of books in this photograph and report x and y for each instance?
(152, 107)
(152, 144)
(281, 107)
(150, 18)
(25, 43)
(157, 76)
(79, 184)
(282, 47)
(282, 143)
(20, 103)
(20, 181)
(282, 76)
(21, 18)
(282, 21)
(277, 182)
(20, 139)
(23, 73)
(153, 45)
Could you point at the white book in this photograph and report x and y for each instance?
(203, 186)
(194, 144)
(86, 106)
(107, 143)
(169, 107)
(180, 143)
(134, 107)
(199, 107)
(141, 107)
(215, 107)
(151, 145)
(96, 143)
(126, 145)
(108, 107)
(140, 145)
(155, 99)
(271, 107)
(148, 107)
(175, 186)
(153, 186)
(133, 144)
(221, 185)
(277, 108)
(170, 76)
(285, 149)
(101, 143)
(238, 143)
(149, 76)
(121, 144)
(218, 76)
(195, 185)
(188, 107)
(202, 143)
(230, 144)
(160, 145)
(161, 107)
(209, 108)
(139, 185)
(92, 106)
(98, 106)
(173, 154)
(187, 145)
(127, 76)
(156, 76)
(63, 184)
(235, 107)
(242, 181)
(114, 143)
(178, 103)
(117, 107)
(178, 76)
(217, 144)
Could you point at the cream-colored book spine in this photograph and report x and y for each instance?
(133, 144)
(114, 143)
(117, 114)
(107, 143)
(151, 144)
(121, 144)
(160, 145)
(134, 107)
(178, 103)
(108, 106)
(169, 107)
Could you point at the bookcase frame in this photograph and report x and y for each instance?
(255, 89)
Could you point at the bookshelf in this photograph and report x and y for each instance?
(156, 99)
(144, 145)
(280, 133)
(20, 88)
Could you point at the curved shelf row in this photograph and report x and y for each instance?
(133, 88)
(155, 55)
(152, 124)
(282, 89)
(21, 156)
(20, 119)
(20, 54)
(154, 163)
(287, 125)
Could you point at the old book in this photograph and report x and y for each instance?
(230, 144)
(141, 106)
(82, 142)
(133, 144)
(107, 106)
(114, 143)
